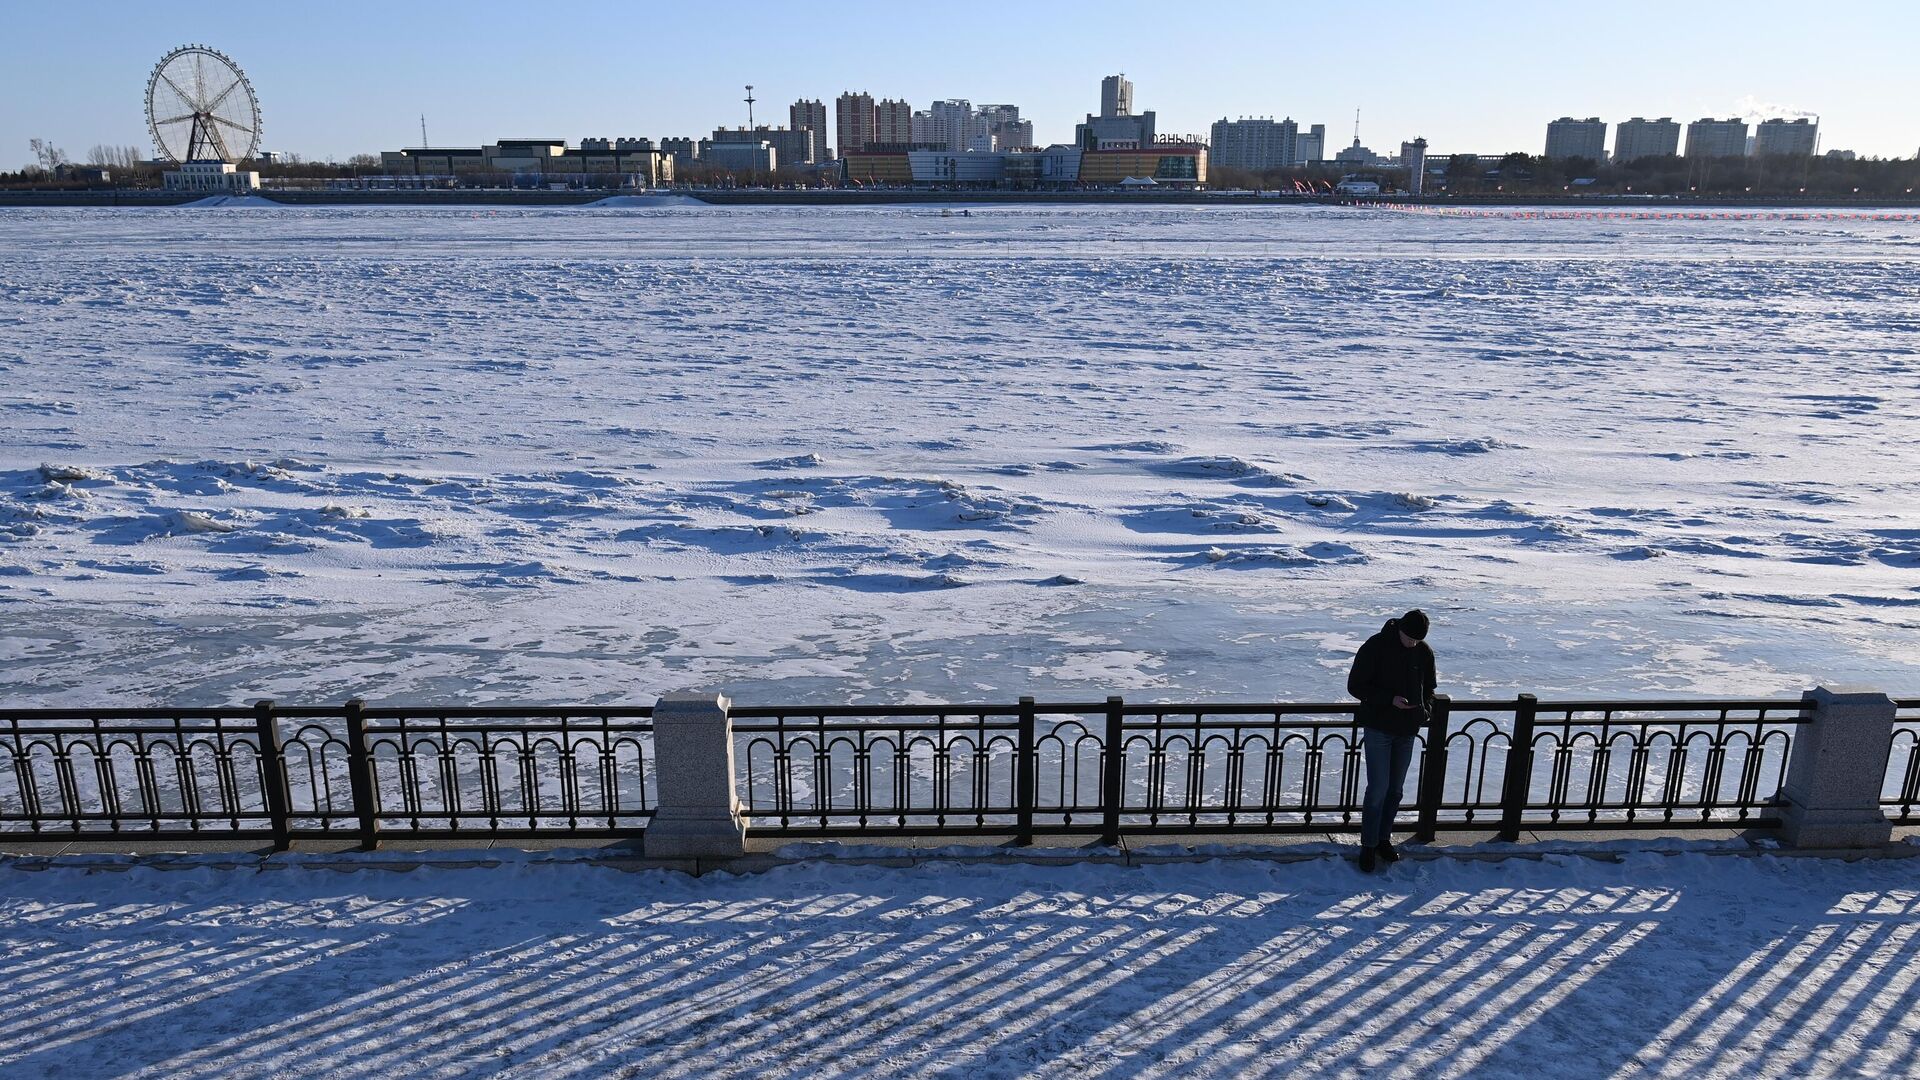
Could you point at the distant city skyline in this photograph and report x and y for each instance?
(1469, 78)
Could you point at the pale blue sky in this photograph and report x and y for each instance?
(348, 76)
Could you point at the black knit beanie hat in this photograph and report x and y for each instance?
(1414, 624)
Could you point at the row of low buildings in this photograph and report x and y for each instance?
(881, 142)
(602, 162)
(632, 159)
(1063, 165)
(1641, 138)
(955, 144)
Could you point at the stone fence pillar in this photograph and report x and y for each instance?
(1836, 770)
(698, 815)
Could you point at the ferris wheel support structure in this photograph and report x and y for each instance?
(201, 107)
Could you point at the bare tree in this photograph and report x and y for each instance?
(114, 157)
(49, 156)
(364, 161)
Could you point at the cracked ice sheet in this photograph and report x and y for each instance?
(559, 455)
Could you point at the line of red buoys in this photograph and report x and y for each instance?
(1641, 215)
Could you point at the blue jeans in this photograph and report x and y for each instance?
(1387, 759)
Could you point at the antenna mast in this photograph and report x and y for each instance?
(749, 106)
(423, 132)
(1356, 127)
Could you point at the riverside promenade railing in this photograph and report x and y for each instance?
(1901, 792)
(1110, 768)
(303, 773)
(1103, 769)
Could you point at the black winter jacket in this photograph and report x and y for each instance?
(1384, 669)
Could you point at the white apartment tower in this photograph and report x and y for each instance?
(1254, 144)
(1707, 137)
(1570, 138)
(1641, 138)
(1008, 130)
(1786, 138)
(951, 124)
(893, 122)
(812, 116)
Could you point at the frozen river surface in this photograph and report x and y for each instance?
(889, 455)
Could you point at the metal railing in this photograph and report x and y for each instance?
(344, 771)
(1900, 793)
(1111, 768)
(1106, 768)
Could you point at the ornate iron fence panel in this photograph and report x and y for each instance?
(1201, 768)
(1597, 764)
(510, 772)
(153, 773)
(278, 774)
(919, 769)
(1900, 792)
(319, 787)
(1117, 768)
(1468, 771)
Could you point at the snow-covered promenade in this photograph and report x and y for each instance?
(1654, 965)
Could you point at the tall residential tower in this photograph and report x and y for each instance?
(1255, 145)
(812, 116)
(893, 122)
(1641, 138)
(1570, 138)
(854, 121)
(1790, 138)
(1707, 137)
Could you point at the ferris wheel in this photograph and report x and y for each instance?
(200, 107)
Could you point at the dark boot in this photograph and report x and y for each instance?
(1366, 860)
(1387, 852)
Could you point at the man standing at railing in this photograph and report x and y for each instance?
(1393, 676)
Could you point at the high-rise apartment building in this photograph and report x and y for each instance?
(1640, 138)
(1785, 138)
(1414, 156)
(924, 132)
(790, 147)
(811, 116)
(855, 120)
(951, 125)
(1116, 96)
(1707, 137)
(1311, 145)
(1570, 138)
(1008, 130)
(1255, 144)
(893, 122)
